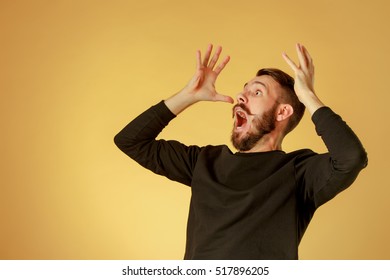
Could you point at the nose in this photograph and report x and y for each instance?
(242, 98)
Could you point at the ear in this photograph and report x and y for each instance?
(284, 112)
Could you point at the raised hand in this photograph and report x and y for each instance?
(304, 72)
(202, 85)
(304, 78)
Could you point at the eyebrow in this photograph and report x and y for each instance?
(257, 82)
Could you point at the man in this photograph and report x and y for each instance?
(255, 203)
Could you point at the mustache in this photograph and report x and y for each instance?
(243, 107)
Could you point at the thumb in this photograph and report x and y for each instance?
(223, 98)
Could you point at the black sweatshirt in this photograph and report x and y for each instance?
(247, 205)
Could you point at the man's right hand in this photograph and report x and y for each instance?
(202, 85)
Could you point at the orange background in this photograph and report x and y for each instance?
(73, 73)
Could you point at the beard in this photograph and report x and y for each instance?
(262, 126)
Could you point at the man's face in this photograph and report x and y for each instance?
(255, 112)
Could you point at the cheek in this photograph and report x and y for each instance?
(259, 105)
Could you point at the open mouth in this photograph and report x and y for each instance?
(241, 119)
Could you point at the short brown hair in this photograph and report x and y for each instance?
(288, 96)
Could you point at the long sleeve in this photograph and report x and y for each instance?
(326, 175)
(168, 158)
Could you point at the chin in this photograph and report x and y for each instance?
(243, 141)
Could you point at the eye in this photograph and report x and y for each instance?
(258, 92)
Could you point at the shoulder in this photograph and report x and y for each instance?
(214, 152)
(305, 157)
(301, 154)
(216, 149)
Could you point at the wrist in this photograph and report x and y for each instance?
(311, 102)
(180, 101)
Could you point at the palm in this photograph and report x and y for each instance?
(202, 85)
(304, 71)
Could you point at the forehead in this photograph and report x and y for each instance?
(265, 81)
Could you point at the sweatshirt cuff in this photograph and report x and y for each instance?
(163, 112)
(321, 114)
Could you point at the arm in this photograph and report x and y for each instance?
(202, 85)
(324, 176)
(171, 158)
